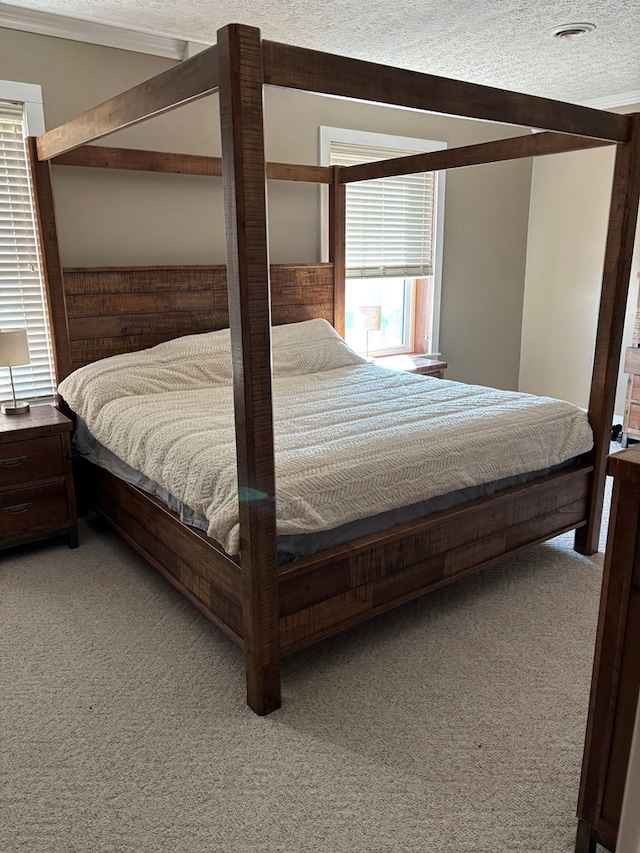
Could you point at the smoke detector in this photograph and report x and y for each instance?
(569, 31)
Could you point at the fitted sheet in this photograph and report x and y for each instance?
(353, 440)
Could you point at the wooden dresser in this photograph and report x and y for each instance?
(631, 418)
(631, 422)
(616, 667)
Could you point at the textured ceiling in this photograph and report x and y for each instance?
(502, 43)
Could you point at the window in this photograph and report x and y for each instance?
(21, 293)
(393, 245)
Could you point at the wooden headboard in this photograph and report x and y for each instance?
(111, 310)
(96, 312)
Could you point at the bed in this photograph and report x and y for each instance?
(268, 606)
(359, 448)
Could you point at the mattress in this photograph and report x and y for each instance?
(291, 547)
(353, 440)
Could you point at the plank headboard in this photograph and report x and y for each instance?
(111, 310)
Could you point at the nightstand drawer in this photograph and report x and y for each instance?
(633, 391)
(632, 360)
(31, 509)
(30, 460)
(633, 417)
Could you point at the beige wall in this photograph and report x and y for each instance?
(567, 233)
(110, 217)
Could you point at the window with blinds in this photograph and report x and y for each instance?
(22, 302)
(389, 221)
(393, 243)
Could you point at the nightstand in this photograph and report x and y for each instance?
(37, 497)
(414, 364)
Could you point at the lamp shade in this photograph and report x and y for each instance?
(14, 347)
(370, 317)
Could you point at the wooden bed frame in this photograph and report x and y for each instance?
(271, 611)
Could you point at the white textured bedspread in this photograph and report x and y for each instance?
(352, 439)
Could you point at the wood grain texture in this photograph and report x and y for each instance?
(615, 682)
(295, 172)
(30, 460)
(636, 321)
(112, 310)
(37, 496)
(623, 217)
(184, 82)
(141, 160)
(325, 593)
(328, 592)
(313, 71)
(631, 417)
(632, 360)
(51, 269)
(266, 609)
(38, 422)
(244, 171)
(188, 559)
(515, 148)
(585, 839)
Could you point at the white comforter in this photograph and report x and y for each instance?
(352, 439)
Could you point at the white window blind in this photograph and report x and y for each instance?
(389, 221)
(22, 302)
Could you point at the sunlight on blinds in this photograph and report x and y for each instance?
(21, 293)
(389, 221)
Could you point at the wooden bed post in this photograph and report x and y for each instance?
(244, 178)
(615, 285)
(337, 225)
(52, 274)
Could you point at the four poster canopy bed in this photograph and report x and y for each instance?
(161, 327)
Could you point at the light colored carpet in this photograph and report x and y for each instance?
(453, 724)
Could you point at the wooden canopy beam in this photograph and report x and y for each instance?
(136, 159)
(313, 71)
(189, 80)
(309, 70)
(142, 160)
(515, 148)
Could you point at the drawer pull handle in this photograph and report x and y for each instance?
(14, 510)
(13, 463)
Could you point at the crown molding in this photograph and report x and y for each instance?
(61, 26)
(609, 102)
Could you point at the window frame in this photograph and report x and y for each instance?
(29, 96)
(327, 135)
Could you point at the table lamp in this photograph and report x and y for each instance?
(370, 320)
(14, 350)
